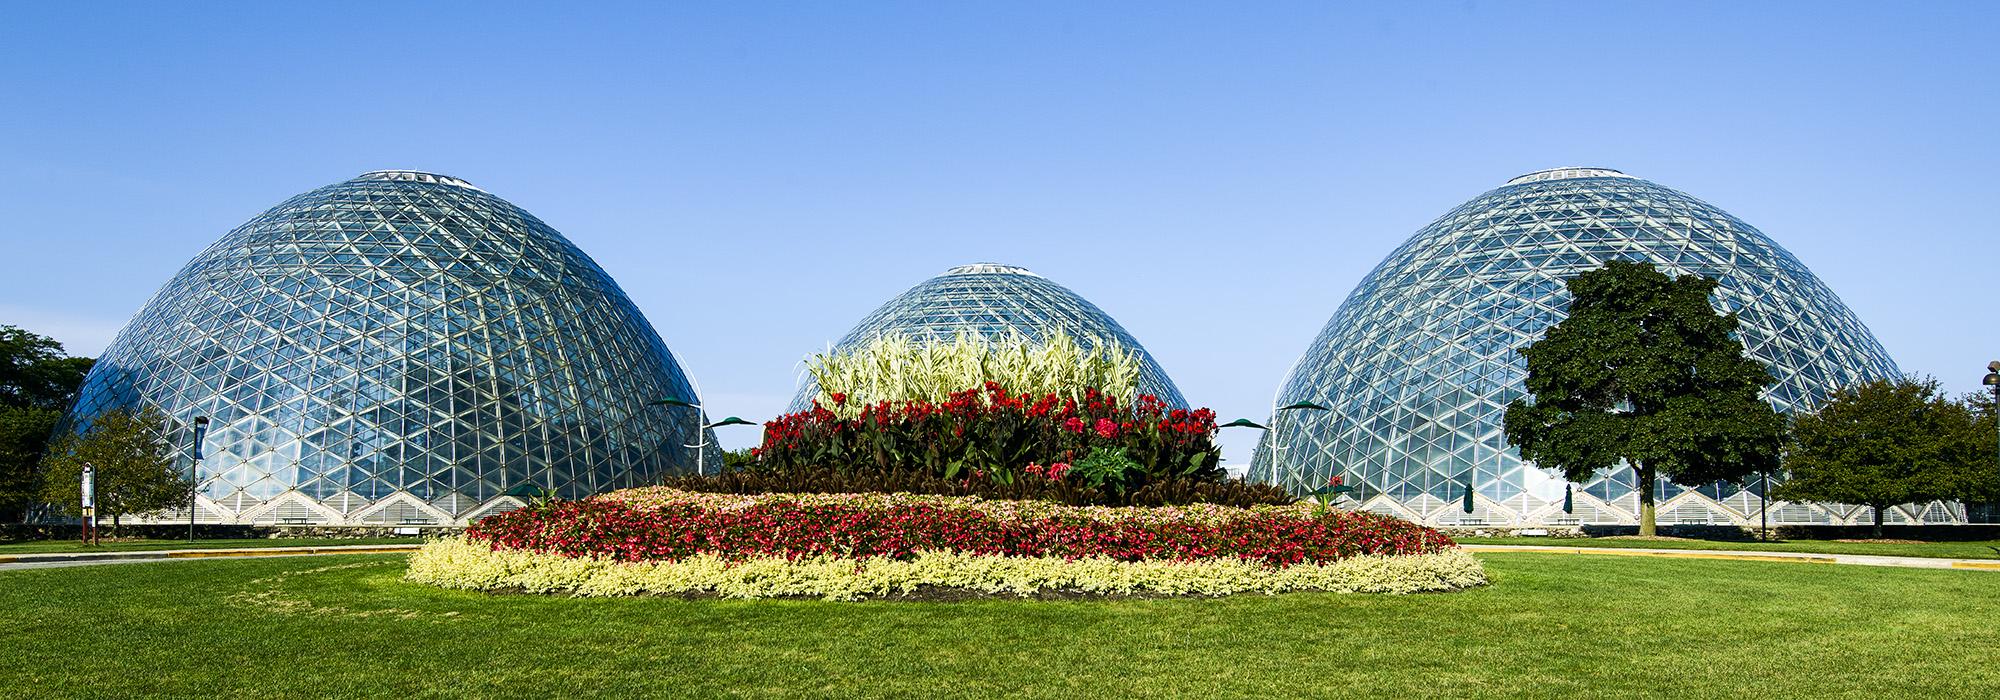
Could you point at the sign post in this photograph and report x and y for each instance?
(89, 503)
(194, 472)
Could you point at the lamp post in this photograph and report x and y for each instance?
(1246, 423)
(1277, 433)
(1992, 382)
(700, 430)
(194, 471)
(700, 437)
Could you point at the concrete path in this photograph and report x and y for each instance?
(1741, 555)
(56, 559)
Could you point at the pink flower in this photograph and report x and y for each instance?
(1073, 425)
(1106, 429)
(1057, 470)
(1336, 481)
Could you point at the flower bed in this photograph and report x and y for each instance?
(662, 540)
(460, 563)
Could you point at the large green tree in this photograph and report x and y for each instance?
(134, 463)
(1644, 371)
(1886, 442)
(37, 383)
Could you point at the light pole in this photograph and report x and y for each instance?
(700, 437)
(1277, 433)
(194, 471)
(1992, 383)
(700, 430)
(1247, 423)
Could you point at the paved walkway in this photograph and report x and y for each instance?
(57, 559)
(1743, 555)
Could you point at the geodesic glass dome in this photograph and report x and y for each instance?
(398, 348)
(1419, 363)
(991, 301)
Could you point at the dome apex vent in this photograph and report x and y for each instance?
(415, 176)
(1565, 174)
(990, 269)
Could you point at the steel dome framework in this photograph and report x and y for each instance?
(1419, 363)
(400, 348)
(991, 301)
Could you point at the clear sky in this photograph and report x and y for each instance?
(760, 176)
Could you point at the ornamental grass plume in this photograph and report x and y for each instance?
(897, 368)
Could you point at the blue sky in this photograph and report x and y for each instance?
(1218, 177)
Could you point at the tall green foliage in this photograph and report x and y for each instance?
(34, 371)
(134, 463)
(37, 382)
(1887, 442)
(897, 368)
(1644, 371)
(24, 438)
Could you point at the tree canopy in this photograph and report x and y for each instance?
(134, 464)
(1887, 442)
(35, 373)
(1645, 371)
(37, 383)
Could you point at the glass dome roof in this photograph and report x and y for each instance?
(1419, 363)
(399, 347)
(992, 300)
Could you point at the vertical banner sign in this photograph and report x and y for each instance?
(89, 501)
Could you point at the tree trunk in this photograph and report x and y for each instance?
(1878, 521)
(1647, 525)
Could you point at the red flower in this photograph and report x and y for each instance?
(1073, 425)
(839, 399)
(1106, 429)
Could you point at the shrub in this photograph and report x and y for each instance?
(898, 369)
(999, 434)
(660, 524)
(463, 564)
(1030, 486)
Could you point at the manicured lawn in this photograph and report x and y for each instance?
(1550, 626)
(1975, 549)
(40, 547)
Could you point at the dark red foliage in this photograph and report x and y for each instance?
(992, 429)
(900, 527)
(1035, 483)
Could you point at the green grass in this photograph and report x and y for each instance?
(1971, 549)
(69, 546)
(1550, 626)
